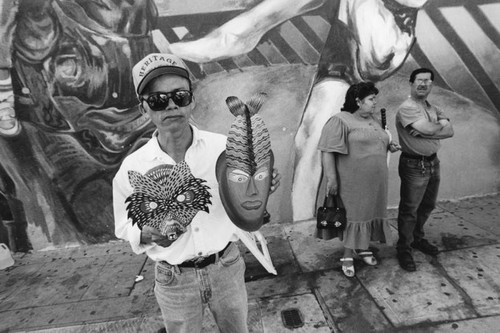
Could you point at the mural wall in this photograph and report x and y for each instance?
(68, 111)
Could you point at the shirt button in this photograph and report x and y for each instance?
(200, 253)
(196, 229)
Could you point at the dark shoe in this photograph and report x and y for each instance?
(406, 262)
(425, 247)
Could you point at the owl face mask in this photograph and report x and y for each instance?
(167, 198)
(244, 170)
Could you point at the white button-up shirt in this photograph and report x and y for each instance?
(208, 233)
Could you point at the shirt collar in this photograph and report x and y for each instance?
(154, 151)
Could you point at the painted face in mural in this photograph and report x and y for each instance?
(422, 86)
(88, 49)
(243, 195)
(9, 125)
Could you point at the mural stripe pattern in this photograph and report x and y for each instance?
(272, 53)
(449, 22)
(480, 46)
(277, 37)
(479, 13)
(442, 56)
(308, 31)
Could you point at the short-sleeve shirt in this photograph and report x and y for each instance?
(409, 112)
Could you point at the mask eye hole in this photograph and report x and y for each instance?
(261, 175)
(148, 206)
(185, 197)
(237, 178)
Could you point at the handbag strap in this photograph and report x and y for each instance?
(338, 202)
(333, 201)
(330, 201)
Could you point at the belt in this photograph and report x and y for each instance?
(204, 261)
(419, 157)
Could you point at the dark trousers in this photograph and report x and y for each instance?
(418, 195)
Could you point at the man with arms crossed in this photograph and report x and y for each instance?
(167, 204)
(420, 127)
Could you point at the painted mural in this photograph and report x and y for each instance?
(68, 111)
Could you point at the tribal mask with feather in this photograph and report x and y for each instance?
(244, 169)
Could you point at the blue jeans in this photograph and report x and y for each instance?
(182, 294)
(418, 195)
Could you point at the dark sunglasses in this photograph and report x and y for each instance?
(158, 101)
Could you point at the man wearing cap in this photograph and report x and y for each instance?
(166, 203)
(420, 127)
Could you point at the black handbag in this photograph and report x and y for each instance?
(331, 218)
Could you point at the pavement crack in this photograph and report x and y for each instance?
(466, 298)
(326, 311)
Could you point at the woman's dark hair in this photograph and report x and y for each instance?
(414, 74)
(358, 90)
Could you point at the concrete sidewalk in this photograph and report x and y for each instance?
(95, 288)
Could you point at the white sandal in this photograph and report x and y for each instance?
(348, 270)
(367, 257)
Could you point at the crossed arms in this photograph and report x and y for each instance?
(430, 130)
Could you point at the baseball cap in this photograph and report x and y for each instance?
(154, 65)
